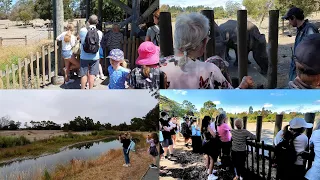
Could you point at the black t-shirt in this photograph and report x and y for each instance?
(125, 143)
(166, 134)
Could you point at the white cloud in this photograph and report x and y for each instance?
(267, 105)
(63, 106)
(182, 92)
(277, 94)
(317, 102)
(216, 102)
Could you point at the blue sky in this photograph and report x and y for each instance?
(185, 3)
(235, 101)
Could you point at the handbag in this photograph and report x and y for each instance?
(76, 48)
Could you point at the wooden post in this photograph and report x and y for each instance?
(13, 76)
(132, 62)
(56, 58)
(1, 82)
(43, 58)
(258, 128)
(166, 41)
(20, 73)
(7, 77)
(232, 122)
(26, 74)
(60, 60)
(273, 49)
(49, 63)
(245, 119)
(242, 44)
(309, 117)
(134, 20)
(38, 70)
(25, 40)
(210, 50)
(282, 26)
(32, 70)
(1, 41)
(88, 9)
(100, 13)
(277, 124)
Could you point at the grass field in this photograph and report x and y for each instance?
(107, 166)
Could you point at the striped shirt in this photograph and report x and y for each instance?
(239, 137)
(115, 40)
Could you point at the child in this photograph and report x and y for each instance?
(154, 142)
(118, 73)
(125, 140)
(238, 154)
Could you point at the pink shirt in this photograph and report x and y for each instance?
(224, 132)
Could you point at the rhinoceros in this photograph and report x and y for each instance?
(256, 43)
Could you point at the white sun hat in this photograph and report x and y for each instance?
(296, 123)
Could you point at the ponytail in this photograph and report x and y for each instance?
(124, 64)
(145, 71)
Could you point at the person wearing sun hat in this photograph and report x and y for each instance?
(297, 127)
(307, 64)
(117, 74)
(147, 73)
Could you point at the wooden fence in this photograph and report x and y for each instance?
(37, 70)
(259, 157)
(24, 38)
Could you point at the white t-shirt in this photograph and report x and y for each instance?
(300, 144)
(315, 140)
(213, 127)
(66, 46)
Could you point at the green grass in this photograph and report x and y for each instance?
(51, 145)
(11, 141)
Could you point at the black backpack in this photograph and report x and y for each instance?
(285, 151)
(156, 40)
(91, 42)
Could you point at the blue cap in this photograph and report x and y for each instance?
(116, 54)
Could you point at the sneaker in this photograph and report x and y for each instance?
(213, 171)
(70, 81)
(124, 164)
(102, 77)
(128, 165)
(217, 163)
(153, 166)
(212, 177)
(241, 178)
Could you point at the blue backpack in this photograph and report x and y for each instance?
(131, 147)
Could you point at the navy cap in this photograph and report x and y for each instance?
(307, 53)
(293, 12)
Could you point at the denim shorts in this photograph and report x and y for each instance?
(66, 54)
(89, 65)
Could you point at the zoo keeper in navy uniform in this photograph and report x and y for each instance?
(296, 19)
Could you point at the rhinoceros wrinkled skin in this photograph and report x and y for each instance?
(256, 43)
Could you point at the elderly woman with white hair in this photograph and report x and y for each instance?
(184, 70)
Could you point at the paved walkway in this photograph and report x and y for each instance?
(152, 174)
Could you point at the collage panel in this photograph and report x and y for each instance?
(78, 135)
(249, 134)
(79, 44)
(239, 44)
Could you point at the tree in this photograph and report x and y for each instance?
(5, 7)
(44, 9)
(208, 109)
(219, 13)
(232, 8)
(308, 6)
(23, 11)
(250, 110)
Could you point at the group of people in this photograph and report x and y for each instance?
(127, 146)
(91, 43)
(185, 70)
(215, 138)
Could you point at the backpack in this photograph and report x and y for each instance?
(156, 40)
(131, 147)
(91, 42)
(285, 151)
(184, 127)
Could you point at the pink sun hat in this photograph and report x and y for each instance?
(148, 54)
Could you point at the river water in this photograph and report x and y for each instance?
(31, 167)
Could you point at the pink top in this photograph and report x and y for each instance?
(224, 132)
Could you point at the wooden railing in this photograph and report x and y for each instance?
(24, 38)
(37, 70)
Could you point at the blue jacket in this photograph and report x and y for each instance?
(302, 31)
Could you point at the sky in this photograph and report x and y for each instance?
(185, 3)
(113, 107)
(236, 101)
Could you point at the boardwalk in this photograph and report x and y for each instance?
(151, 174)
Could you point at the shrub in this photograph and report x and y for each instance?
(11, 141)
(94, 133)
